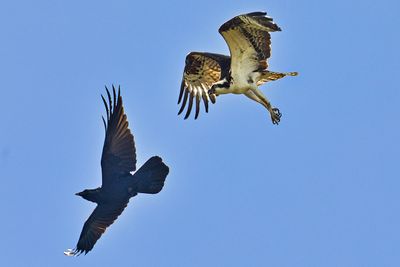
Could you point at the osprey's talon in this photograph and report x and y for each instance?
(211, 91)
(276, 116)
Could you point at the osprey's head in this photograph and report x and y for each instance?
(217, 87)
(89, 194)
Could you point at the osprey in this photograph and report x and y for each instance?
(208, 75)
(118, 160)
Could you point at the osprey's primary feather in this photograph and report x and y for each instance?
(202, 70)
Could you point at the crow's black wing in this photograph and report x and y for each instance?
(119, 153)
(202, 70)
(102, 217)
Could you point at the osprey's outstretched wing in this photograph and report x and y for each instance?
(119, 153)
(202, 70)
(249, 42)
(102, 217)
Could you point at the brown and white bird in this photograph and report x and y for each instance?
(208, 75)
(118, 160)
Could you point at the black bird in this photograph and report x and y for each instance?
(118, 184)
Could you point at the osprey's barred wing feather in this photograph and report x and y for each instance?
(102, 217)
(119, 153)
(249, 41)
(201, 71)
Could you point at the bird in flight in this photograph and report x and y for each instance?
(207, 75)
(118, 160)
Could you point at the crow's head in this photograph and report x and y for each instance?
(89, 194)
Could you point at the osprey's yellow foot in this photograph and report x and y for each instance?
(275, 115)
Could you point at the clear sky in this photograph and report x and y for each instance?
(320, 189)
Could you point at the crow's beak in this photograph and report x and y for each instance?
(78, 194)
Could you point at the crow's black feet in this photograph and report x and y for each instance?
(275, 116)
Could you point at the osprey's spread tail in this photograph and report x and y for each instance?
(267, 76)
(151, 176)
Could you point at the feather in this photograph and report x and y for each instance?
(201, 71)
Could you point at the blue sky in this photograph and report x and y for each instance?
(320, 189)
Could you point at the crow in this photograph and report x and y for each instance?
(118, 160)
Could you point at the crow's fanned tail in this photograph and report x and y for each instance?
(151, 176)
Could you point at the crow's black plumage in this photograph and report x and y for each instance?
(118, 184)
